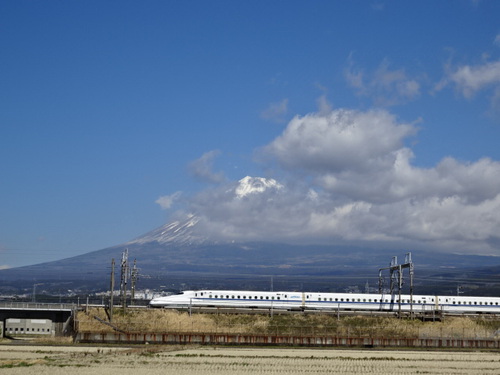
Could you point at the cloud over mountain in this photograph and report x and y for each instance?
(348, 176)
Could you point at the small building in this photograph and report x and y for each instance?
(15, 326)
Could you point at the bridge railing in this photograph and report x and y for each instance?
(38, 306)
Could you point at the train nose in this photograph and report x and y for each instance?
(154, 302)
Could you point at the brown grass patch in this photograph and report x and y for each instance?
(163, 320)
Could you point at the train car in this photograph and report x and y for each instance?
(329, 301)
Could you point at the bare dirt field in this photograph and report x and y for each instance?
(151, 360)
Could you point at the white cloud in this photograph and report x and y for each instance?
(324, 105)
(276, 111)
(166, 201)
(471, 79)
(386, 87)
(348, 176)
(341, 140)
(202, 168)
(497, 40)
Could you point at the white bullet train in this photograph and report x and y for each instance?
(329, 301)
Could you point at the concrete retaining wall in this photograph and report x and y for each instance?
(222, 339)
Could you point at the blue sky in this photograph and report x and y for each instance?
(378, 120)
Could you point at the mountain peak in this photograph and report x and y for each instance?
(180, 232)
(251, 185)
(187, 231)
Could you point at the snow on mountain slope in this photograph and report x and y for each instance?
(188, 232)
(251, 185)
(175, 232)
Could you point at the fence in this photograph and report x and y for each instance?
(262, 340)
(425, 332)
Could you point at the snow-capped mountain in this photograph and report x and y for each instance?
(252, 185)
(179, 232)
(187, 231)
(191, 251)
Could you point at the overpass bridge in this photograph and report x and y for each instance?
(24, 313)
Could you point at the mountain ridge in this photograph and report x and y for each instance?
(177, 250)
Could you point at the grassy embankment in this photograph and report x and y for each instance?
(160, 321)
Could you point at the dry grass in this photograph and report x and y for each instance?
(162, 320)
(161, 360)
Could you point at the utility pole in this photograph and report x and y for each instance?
(34, 291)
(411, 270)
(133, 277)
(112, 289)
(396, 272)
(124, 279)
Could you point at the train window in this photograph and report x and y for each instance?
(370, 300)
(331, 299)
(267, 297)
(196, 294)
(261, 297)
(364, 299)
(336, 299)
(286, 296)
(496, 303)
(272, 297)
(227, 297)
(342, 299)
(201, 294)
(475, 303)
(319, 299)
(375, 300)
(238, 297)
(278, 297)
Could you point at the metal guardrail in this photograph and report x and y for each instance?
(39, 306)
